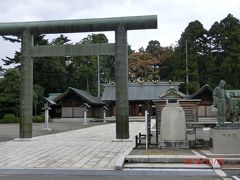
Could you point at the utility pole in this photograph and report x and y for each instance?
(187, 80)
(98, 95)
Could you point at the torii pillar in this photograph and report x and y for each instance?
(26, 87)
(121, 78)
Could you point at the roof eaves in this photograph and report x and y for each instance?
(206, 86)
(91, 99)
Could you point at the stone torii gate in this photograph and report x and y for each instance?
(120, 49)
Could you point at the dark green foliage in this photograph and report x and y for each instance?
(15, 60)
(54, 74)
(94, 38)
(154, 48)
(9, 118)
(224, 37)
(82, 71)
(130, 51)
(50, 72)
(10, 92)
(212, 55)
(195, 37)
(1, 71)
(38, 119)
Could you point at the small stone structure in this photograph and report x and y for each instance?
(173, 122)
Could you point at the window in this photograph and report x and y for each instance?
(172, 100)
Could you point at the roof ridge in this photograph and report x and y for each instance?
(84, 94)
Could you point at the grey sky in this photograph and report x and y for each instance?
(173, 16)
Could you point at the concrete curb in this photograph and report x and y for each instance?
(120, 161)
(137, 172)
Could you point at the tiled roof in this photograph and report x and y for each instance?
(140, 91)
(85, 95)
(52, 96)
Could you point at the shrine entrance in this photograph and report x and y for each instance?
(119, 49)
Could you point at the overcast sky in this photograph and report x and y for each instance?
(173, 16)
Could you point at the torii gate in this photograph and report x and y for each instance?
(120, 49)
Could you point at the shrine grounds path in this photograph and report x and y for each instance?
(88, 148)
(11, 131)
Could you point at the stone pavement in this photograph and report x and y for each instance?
(89, 148)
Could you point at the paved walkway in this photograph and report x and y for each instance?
(89, 148)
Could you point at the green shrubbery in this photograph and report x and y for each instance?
(9, 118)
(38, 119)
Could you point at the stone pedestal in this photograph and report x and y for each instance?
(225, 141)
(173, 127)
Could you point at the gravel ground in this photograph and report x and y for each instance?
(11, 131)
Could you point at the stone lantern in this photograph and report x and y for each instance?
(46, 109)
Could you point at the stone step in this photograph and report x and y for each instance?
(165, 166)
(207, 119)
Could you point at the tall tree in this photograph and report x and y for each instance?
(153, 64)
(10, 92)
(224, 45)
(154, 48)
(94, 38)
(38, 40)
(142, 67)
(195, 37)
(83, 70)
(50, 72)
(167, 61)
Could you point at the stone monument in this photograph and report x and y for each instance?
(173, 122)
(225, 137)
